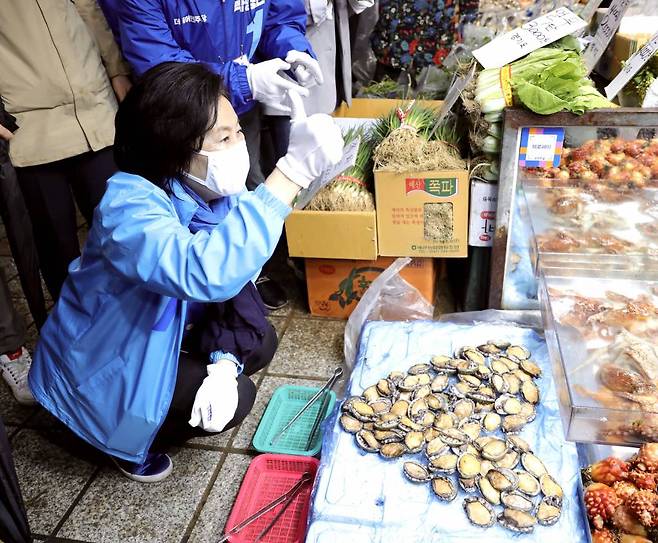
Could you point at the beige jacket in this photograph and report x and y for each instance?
(56, 61)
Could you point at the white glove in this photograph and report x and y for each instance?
(316, 144)
(306, 69)
(217, 398)
(359, 6)
(269, 87)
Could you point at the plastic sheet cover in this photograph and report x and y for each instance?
(360, 497)
(520, 286)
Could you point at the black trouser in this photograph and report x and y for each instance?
(191, 373)
(251, 127)
(21, 239)
(49, 191)
(12, 326)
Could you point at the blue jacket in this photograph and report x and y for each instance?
(214, 32)
(107, 359)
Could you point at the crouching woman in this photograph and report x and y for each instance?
(159, 322)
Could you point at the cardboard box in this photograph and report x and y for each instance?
(371, 108)
(332, 234)
(407, 213)
(336, 286)
(342, 234)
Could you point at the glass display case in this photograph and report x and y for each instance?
(602, 336)
(574, 190)
(575, 227)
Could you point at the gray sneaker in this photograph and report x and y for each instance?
(14, 368)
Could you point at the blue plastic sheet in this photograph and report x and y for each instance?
(360, 497)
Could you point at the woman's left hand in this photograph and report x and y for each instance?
(217, 398)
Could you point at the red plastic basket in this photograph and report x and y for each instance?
(268, 477)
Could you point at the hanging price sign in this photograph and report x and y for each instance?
(633, 66)
(454, 93)
(529, 37)
(605, 32)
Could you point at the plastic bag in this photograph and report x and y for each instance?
(364, 61)
(433, 82)
(388, 298)
(525, 318)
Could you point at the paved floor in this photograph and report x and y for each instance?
(72, 494)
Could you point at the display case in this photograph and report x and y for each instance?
(573, 227)
(609, 158)
(602, 336)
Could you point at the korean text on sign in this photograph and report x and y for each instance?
(532, 35)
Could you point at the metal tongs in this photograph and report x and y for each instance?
(327, 386)
(287, 497)
(280, 512)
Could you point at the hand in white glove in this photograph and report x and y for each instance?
(316, 144)
(306, 69)
(359, 6)
(268, 86)
(217, 398)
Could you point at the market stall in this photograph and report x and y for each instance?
(506, 422)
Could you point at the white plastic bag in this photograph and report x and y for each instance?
(388, 298)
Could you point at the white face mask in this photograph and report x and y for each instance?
(227, 170)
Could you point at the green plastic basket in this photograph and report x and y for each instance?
(286, 402)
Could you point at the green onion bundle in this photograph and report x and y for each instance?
(350, 191)
(408, 141)
(418, 118)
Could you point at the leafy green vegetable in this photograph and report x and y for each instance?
(539, 100)
(588, 98)
(548, 80)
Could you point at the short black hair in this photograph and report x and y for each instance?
(163, 119)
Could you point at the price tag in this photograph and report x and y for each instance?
(454, 92)
(482, 214)
(348, 160)
(633, 66)
(541, 147)
(605, 32)
(532, 35)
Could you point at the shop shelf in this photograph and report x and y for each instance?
(286, 402)
(268, 477)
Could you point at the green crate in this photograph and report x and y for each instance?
(286, 402)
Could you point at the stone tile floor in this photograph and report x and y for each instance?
(72, 494)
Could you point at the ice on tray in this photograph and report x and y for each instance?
(360, 497)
